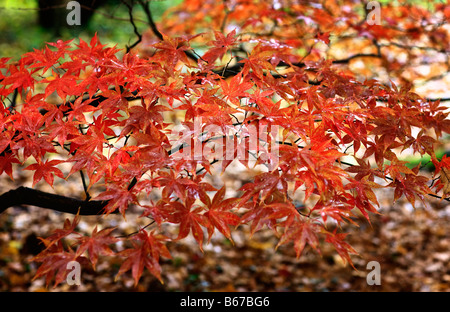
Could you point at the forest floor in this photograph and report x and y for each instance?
(411, 245)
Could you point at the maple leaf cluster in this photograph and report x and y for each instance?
(115, 118)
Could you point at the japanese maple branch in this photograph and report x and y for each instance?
(391, 179)
(236, 68)
(385, 99)
(359, 55)
(352, 165)
(28, 196)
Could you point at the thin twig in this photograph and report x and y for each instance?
(83, 181)
(136, 232)
(135, 29)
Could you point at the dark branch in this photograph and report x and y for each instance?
(135, 29)
(151, 23)
(359, 55)
(27, 196)
(385, 99)
(230, 71)
(14, 100)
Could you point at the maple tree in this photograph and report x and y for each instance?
(270, 84)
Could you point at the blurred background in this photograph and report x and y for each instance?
(27, 24)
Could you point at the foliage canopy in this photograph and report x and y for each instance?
(285, 86)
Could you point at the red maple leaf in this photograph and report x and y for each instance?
(58, 234)
(221, 45)
(145, 253)
(118, 197)
(54, 263)
(219, 214)
(6, 162)
(46, 170)
(343, 248)
(190, 218)
(324, 37)
(97, 244)
(301, 231)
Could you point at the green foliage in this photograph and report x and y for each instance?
(21, 31)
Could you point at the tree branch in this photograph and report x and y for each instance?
(27, 196)
(151, 22)
(130, 14)
(359, 55)
(391, 179)
(236, 68)
(146, 7)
